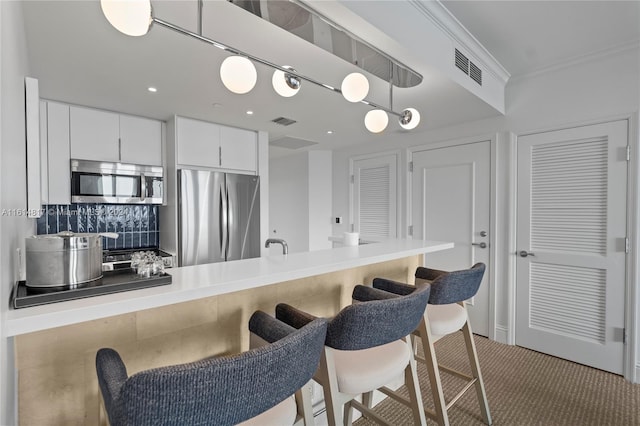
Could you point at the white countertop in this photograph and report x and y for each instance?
(196, 282)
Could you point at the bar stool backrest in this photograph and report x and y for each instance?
(378, 322)
(220, 391)
(451, 287)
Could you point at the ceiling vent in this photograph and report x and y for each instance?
(292, 143)
(283, 121)
(475, 73)
(469, 68)
(462, 62)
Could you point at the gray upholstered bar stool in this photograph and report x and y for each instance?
(367, 347)
(447, 314)
(252, 388)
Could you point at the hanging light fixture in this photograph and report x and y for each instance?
(238, 74)
(285, 84)
(132, 17)
(376, 120)
(409, 119)
(355, 87)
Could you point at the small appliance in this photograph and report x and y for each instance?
(115, 183)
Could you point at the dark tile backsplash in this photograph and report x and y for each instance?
(137, 225)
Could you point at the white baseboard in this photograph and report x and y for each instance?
(501, 334)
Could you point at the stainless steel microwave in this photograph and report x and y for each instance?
(115, 183)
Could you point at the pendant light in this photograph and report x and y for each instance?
(132, 17)
(285, 84)
(238, 74)
(355, 87)
(409, 119)
(376, 120)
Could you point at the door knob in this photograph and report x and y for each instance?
(525, 253)
(481, 245)
(483, 233)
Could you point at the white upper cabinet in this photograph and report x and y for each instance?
(106, 136)
(204, 144)
(94, 134)
(198, 143)
(238, 149)
(141, 140)
(58, 159)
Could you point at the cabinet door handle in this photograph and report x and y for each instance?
(119, 149)
(219, 156)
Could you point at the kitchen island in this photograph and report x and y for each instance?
(204, 312)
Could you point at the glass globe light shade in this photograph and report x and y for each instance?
(410, 119)
(130, 17)
(238, 74)
(376, 120)
(355, 87)
(285, 85)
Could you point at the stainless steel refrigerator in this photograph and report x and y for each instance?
(218, 217)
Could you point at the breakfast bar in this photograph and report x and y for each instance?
(203, 313)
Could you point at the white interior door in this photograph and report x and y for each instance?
(571, 232)
(375, 193)
(450, 201)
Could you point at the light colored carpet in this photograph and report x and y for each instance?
(525, 387)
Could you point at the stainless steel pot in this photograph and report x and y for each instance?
(65, 259)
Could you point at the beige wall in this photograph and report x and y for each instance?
(56, 368)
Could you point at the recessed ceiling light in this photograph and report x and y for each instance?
(152, 89)
(249, 112)
(329, 132)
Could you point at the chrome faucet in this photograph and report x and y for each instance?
(285, 247)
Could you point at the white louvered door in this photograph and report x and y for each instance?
(375, 196)
(570, 287)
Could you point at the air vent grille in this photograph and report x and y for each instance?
(462, 62)
(469, 68)
(283, 121)
(475, 73)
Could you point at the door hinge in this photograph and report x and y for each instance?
(628, 153)
(410, 166)
(353, 179)
(410, 231)
(626, 244)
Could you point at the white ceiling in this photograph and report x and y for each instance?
(527, 36)
(79, 58)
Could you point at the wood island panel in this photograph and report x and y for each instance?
(57, 382)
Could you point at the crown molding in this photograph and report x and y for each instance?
(439, 15)
(579, 59)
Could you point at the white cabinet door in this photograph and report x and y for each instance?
(198, 143)
(44, 158)
(141, 140)
(94, 134)
(59, 167)
(239, 149)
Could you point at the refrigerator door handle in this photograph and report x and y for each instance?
(224, 221)
(231, 224)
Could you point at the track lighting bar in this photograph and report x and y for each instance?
(262, 61)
